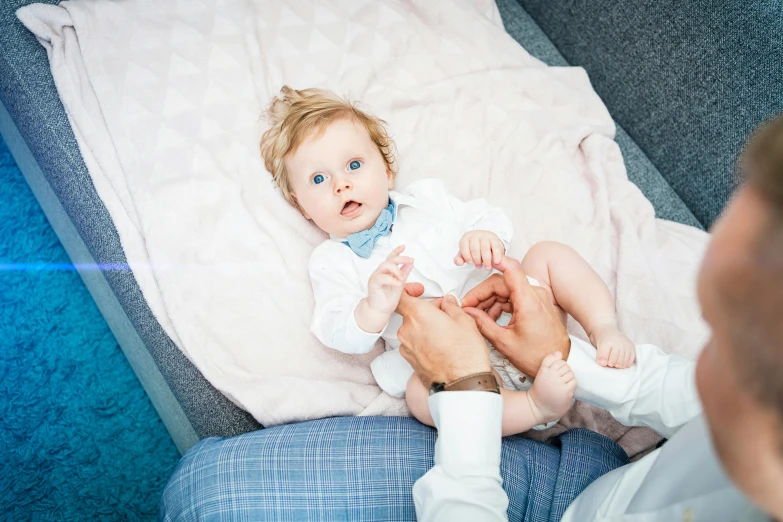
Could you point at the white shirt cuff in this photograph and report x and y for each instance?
(469, 427)
(357, 339)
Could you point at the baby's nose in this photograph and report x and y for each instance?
(342, 185)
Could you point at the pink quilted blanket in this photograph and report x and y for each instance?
(165, 100)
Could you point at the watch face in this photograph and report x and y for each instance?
(437, 387)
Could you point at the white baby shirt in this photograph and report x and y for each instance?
(430, 223)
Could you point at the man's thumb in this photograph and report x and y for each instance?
(451, 306)
(414, 289)
(408, 297)
(486, 325)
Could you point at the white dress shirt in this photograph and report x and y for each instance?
(680, 481)
(430, 223)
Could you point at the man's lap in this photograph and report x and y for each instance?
(363, 468)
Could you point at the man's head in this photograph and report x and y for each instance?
(330, 160)
(740, 371)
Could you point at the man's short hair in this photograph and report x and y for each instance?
(758, 330)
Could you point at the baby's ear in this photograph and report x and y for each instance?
(390, 177)
(298, 206)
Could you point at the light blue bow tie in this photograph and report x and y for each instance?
(362, 242)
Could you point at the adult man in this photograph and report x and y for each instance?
(741, 293)
(265, 475)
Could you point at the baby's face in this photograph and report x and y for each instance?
(339, 178)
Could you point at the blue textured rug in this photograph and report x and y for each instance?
(79, 439)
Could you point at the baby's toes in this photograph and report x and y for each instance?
(603, 355)
(614, 357)
(624, 356)
(631, 357)
(550, 359)
(563, 370)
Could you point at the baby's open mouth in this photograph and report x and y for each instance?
(350, 207)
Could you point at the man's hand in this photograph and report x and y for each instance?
(535, 330)
(439, 339)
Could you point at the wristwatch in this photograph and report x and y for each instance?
(484, 381)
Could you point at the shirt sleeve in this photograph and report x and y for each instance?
(465, 482)
(337, 292)
(476, 214)
(657, 391)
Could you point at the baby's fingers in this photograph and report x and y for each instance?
(498, 249)
(475, 251)
(396, 252)
(486, 252)
(387, 280)
(389, 268)
(401, 260)
(464, 250)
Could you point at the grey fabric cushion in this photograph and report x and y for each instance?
(641, 171)
(687, 80)
(27, 90)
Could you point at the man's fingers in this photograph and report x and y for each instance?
(488, 328)
(407, 302)
(507, 263)
(414, 289)
(492, 287)
(495, 311)
(520, 289)
(451, 306)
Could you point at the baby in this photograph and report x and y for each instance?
(335, 164)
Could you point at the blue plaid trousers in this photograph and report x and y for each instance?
(363, 468)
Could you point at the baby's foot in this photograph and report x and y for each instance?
(553, 389)
(615, 349)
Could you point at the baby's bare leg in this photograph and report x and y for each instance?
(581, 292)
(417, 398)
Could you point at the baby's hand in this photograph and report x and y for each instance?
(553, 389)
(480, 247)
(615, 349)
(387, 282)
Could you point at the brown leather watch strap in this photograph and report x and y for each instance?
(484, 381)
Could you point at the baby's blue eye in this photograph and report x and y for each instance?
(355, 164)
(318, 179)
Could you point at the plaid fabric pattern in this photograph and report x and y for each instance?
(584, 456)
(363, 468)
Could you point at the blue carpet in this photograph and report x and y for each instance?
(79, 439)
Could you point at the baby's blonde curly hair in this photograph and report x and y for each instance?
(294, 115)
